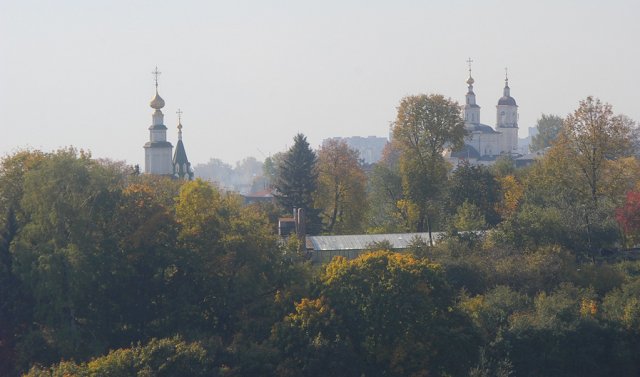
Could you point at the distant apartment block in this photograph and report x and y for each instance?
(370, 147)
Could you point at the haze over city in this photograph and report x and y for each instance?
(249, 75)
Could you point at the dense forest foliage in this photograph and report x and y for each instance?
(105, 272)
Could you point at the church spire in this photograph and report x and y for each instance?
(179, 112)
(506, 99)
(181, 164)
(157, 149)
(507, 91)
(471, 109)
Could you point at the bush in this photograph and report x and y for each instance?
(158, 358)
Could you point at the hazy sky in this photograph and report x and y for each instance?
(249, 75)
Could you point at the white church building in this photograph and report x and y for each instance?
(158, 151)
(484, 144)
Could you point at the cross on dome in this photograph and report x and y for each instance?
(179, 112)
(470, 80)
(157, 102)
(156, 73)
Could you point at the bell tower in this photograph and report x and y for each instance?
(157, 151)
(471, 108)
(507, 119)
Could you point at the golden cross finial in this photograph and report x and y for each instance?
(156, 73)
(179, 112)
(469, 61)
(506, 74)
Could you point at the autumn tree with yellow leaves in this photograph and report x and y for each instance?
(341, 194)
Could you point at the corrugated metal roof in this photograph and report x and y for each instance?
(363, 241)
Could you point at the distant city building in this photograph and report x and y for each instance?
(529, 158)
(484, 144)
(157, 151)
(525, 142)
(370, 147)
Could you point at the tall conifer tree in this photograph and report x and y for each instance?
(297, 180)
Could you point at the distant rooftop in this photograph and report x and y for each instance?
(363, 241)
(323, 248)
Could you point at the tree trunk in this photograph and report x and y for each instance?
(429, 230)
(334, 213)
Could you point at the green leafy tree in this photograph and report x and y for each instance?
(142, 244)
(60, 256)
(592, 136)
(341, 192)
(468, 217)
(424, 126)
(15, 299)
(492, 310)
(511, 192)
(385, 193)
(622, 305)
(549, 126)
(391, 313)
(160, 357)
(270, 167)
(79, 256)
(297, 181)
(232, 268)
(583, 174)
(562, 336)
(533, 226)
(504, 165)
(551, 210)
(475, 185)
(311, 341)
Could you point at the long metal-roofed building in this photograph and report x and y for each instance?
(323, 248)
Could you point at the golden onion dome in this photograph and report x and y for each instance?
(157, 102)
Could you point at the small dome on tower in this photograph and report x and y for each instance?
(470, 81)
(507, 100)
(157, 102)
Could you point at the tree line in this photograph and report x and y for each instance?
(105, 272)
(589, 166)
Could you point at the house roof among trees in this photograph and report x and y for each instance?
(364, 241)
